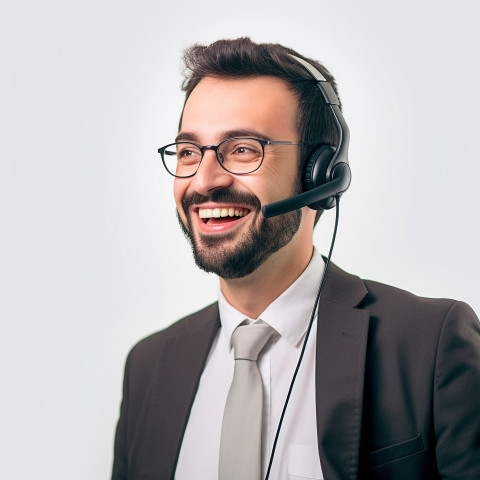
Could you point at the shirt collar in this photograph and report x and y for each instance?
(289, 313)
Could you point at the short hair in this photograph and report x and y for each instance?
(241, 57)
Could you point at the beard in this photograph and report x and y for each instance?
(213, 254)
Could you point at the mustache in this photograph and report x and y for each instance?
(219, 196)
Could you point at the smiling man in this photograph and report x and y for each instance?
(388, 384)
(252, 110)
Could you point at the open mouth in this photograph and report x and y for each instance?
(221, 215)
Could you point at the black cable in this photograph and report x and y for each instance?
(307, 334)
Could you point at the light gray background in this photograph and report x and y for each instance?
(92, 257)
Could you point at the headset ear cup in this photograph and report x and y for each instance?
(315, 174)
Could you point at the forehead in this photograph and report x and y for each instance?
(263, 104)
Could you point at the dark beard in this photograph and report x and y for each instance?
(265, 237)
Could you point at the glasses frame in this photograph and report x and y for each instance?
(204, 148)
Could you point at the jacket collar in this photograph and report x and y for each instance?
(341, 350)
(342, 287)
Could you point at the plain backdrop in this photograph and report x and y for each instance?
(92, 258)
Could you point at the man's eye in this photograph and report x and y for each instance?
(188, 156)
(242, 150)
(245, 149)
(185, 153)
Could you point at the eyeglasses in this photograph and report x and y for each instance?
(239, 156)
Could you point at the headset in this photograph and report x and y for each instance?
(326, 173)
(325, 178)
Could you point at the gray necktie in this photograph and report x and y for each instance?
(241, 440)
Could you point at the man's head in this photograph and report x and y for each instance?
(242, 58)
(239, 89)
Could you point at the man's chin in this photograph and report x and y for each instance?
(236, 254)
(225, 254)
(227, 263)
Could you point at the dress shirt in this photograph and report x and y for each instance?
(296, 455)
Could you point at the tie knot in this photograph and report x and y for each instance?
(249, 340)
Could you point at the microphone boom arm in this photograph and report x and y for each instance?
(341, 178)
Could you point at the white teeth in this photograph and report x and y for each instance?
(205, 212)
(221, 212)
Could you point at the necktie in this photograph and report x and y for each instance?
(241, 440)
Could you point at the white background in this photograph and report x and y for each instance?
(92, 258)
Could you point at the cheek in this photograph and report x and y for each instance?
(282, 181)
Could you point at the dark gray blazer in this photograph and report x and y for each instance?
(397, 379)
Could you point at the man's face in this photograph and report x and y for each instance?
(217, 109)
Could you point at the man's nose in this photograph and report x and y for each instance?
(210, 175)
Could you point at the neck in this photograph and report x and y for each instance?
(251, 295)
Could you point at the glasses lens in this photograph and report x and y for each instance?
(241, 155)
(181, 159)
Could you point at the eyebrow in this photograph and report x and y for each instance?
(192, 137)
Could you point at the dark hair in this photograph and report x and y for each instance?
(243, 58)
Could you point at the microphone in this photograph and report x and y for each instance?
(341, 177)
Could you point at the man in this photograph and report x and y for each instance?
(389, 383)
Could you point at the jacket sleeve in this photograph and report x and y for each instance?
(456, 397)
(120, 464)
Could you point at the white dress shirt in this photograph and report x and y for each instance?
(296, 455)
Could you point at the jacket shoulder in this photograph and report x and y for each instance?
(383, 300)
(381, 296)
(152, 346)
(381, 292)
(398, 316)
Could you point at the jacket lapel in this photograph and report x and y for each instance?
(341, 348)
(179, 371)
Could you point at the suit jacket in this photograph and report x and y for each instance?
(397, 381)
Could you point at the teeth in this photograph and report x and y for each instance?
(221, 212)
(205, 212)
